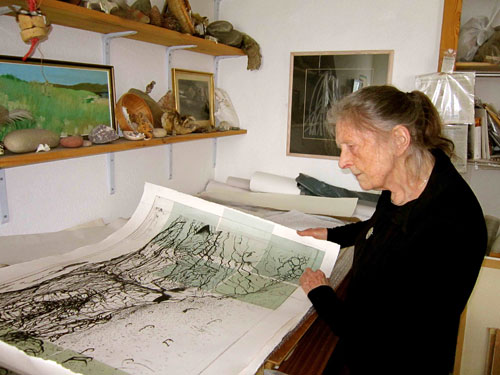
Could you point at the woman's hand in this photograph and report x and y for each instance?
(318, 233)
(312, 279)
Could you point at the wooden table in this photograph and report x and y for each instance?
(308, 348)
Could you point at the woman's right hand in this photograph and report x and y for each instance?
(318, 233)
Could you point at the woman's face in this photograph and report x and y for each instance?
(368, 157)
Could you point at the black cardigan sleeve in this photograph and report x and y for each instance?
(329, 307)
(346, 234)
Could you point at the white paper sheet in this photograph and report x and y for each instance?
(271, 183)
(238, 182)
(186, 286)
(304, 203)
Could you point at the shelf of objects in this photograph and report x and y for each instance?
(78, 17)
(15, 160)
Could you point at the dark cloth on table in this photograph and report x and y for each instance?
(310, 186)
(414, 268)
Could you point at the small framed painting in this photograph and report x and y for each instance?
(318, 80)
(194, 95)
(65, 97)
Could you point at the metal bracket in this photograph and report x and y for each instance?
(169, 51)
(106, 40)
(216, 9)
(110, 158)
(216, 84)
(4, 206)
(214, 153)
(216, 67)
(110, 163)
(170, 163)
(169, 87)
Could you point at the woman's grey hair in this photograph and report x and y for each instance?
(380, 108)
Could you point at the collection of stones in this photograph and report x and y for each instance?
(30, 140)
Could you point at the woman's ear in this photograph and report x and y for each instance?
(401, 138)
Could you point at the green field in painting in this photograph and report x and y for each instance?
(63, 110)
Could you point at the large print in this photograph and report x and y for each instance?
(185, 287)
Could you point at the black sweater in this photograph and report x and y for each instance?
(413, 271)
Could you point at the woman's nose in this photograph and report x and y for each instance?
(345, 159)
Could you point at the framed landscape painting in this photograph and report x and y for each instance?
(65, 97)
(318, 80)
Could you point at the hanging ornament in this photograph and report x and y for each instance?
(34, 26)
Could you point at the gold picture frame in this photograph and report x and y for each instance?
(194, 95)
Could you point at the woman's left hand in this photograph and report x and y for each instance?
(312, 279)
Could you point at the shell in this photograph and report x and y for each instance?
(181, 10)
(102, 134)
(167, 101)
(129, 106)
(133, 136)
(159, 133)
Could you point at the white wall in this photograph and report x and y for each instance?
(412, 29)
(56, 195)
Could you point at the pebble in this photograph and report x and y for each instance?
(72, 141)
(27, 140)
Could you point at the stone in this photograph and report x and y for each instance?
(159, 132)
(102, 134)
(27, 140)
(220, 26)
(72, 141)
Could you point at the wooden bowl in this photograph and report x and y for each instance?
(132, 105)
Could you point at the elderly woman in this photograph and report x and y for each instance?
(417, 258)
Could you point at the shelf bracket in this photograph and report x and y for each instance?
(106, 40)
(170, 163)
(216, 9)
(216, 67)
(169, 51)
(110, 157)
(4, 206)
(216, 84)
(110, 164)
(214, 153)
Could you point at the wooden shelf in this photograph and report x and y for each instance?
(477, 67)
(65, 14)
(485, 163)
(15, 160)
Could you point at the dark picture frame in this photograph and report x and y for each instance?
(194, 95)
(318, 80)
(66, 97)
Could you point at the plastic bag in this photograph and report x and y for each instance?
(224, 111)
(451, 93)
(474, 33)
